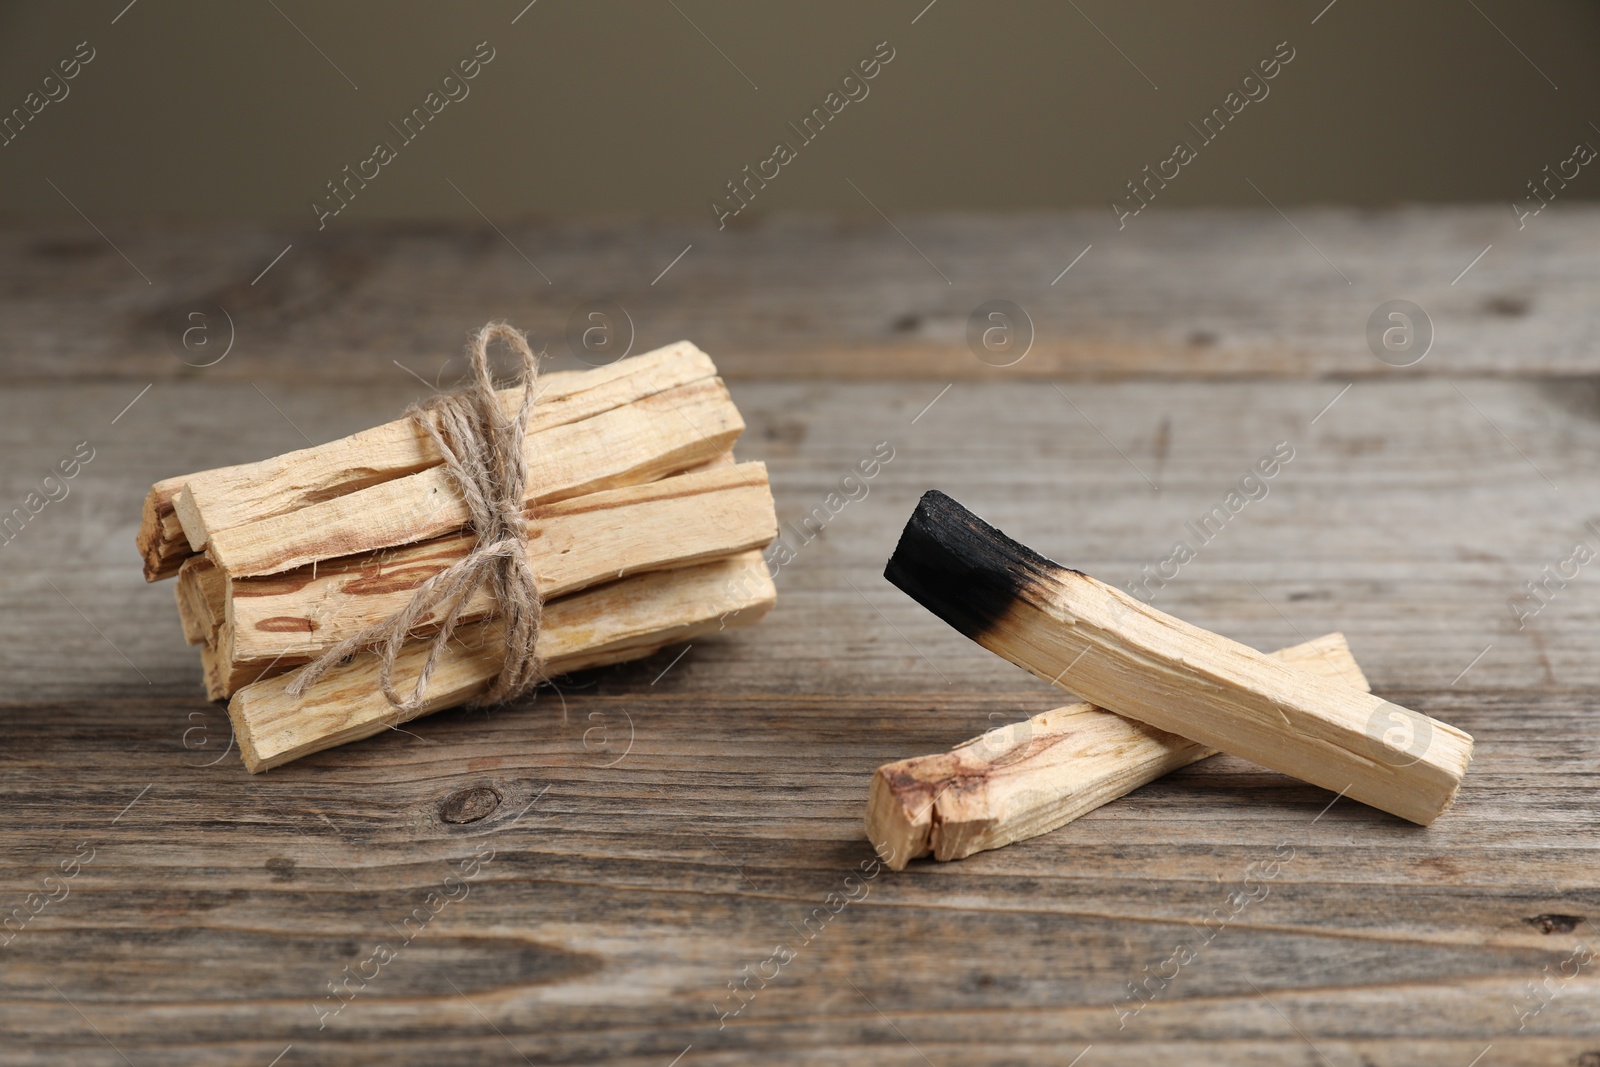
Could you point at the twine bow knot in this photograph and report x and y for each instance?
(482, 450)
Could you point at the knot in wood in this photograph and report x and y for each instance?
(469, 805)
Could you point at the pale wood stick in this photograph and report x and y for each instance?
(161, 542)
(641, 442)
(228, 499)
(223, 673)
(229, 496)
(1028, 778)
(612, 623)
(215, 671)
(1122, 654)
(194, 617)
(277, 622)
(201, 591)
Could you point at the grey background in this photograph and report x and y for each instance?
(245, 110)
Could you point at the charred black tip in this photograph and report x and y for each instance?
(960, 568)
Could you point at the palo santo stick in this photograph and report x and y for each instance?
(616, 622)
(231, 496)
(162, 544)
(641, 442)
(202, 599)
(287, 619)
(219, 682)
(1028, 778)
(226, 499)
(1124, 655)
(192, 612)
(204, 619)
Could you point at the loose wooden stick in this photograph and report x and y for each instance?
(277, 622)
(1090, 638)
(231, 496)
(1028, 778)
(641, 442)
(609, 624)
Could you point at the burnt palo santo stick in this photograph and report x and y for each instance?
(1030, 777)
(1093, 640)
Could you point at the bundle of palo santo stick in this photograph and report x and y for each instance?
(642, 531)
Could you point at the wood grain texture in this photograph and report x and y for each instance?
(648, 877)
(618, 909)
(1219, 293)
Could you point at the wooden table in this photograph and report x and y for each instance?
(658, 831)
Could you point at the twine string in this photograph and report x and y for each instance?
(483, 458)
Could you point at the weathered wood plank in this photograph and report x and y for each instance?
(616, 910)
(697, 818)
(1404, 519)
(1194, 293)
